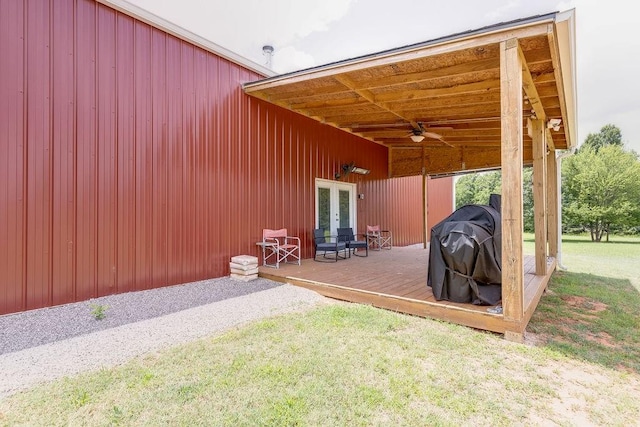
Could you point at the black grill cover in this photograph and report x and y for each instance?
(465, 256)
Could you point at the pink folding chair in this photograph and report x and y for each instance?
(379, 239)
(278, 246)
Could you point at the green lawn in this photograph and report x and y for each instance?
(591, 310)
(348, 364)
(619, 258)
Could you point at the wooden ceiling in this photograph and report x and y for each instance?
(448, 88)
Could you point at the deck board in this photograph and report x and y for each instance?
(397, 280)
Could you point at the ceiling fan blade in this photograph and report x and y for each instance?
(432, 135)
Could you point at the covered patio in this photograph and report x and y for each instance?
(396, 280)
(500, 97)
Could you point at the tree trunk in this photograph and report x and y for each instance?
(599, 230)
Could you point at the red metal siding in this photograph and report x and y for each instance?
(439, 201)
(12, 160)
(85, 178)
(130, 159)
(38, 160)
(63, 137)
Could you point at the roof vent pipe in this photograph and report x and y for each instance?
(267, 51)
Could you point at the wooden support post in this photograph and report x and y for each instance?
(552, 204)
(540, 194)
(425, 207)
(512, 220)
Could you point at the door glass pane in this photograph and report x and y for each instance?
(344, 200)
(324, 208)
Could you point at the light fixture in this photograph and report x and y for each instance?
(554, 124)
(417, 135)
(361, 171)
(351, 168)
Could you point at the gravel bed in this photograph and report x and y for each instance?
(37, 327)
(91, 349)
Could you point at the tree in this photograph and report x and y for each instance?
(608, 135)
(527, 200)
(475, 189)
(601, 188)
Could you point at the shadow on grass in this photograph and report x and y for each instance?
(590, 317)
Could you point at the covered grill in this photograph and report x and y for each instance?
(466, 255)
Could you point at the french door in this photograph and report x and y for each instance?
(335, 205)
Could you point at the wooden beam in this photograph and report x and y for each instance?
(530, 89)
(539, 194)
(551, 145)
(407, 160)
(467, 67)
(371, 98)
(552, 203)
(511, 158)
(425, 207)
(462, 89)
(410, 78)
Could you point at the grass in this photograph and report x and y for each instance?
(98, 311)
(348, 364)
(337, 365)
(593, 318)
(617, 258)
(591, 311)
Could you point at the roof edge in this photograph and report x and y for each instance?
(184, 34)
(566, 28)
(494, 28)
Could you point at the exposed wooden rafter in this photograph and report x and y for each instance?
(450, 87)
(366, 94)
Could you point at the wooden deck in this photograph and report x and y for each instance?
(396, 280)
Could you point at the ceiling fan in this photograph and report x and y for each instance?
(420, 133)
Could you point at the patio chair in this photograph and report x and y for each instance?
(323, 243)
(379, 239)
(353, 244)
(278, 246)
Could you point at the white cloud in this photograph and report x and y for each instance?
(503, 12)
(290, 59)
(608, 65)
(244, 27)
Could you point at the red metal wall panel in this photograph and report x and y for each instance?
(106, 152)
(63, 137)
(130, 159)
(85, 179)
(12, 157)
(143, 153)
(440, 202)
(125, 155)
(38, 158)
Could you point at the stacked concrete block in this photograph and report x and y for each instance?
(244, 267)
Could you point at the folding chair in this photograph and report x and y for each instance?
(379, 239)
(278, 246)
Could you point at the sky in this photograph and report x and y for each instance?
(306, 33)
